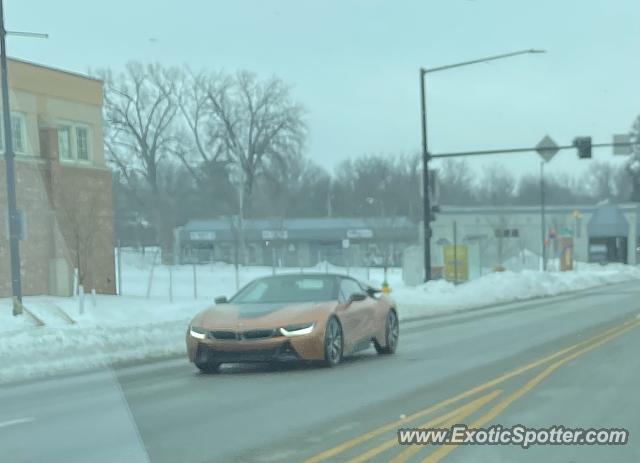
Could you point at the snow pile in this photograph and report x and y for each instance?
(129, 328)
(117, 329)
(440, 296)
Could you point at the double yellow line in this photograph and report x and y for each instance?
(554, 360)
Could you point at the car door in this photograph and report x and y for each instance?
(355, 316)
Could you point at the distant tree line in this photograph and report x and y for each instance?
(185, 145)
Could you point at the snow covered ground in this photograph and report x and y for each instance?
(133, 327)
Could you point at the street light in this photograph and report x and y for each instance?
(13, 215)
(426, 215)
(14, 244)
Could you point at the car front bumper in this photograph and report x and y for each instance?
(306, 347)
(282, 353)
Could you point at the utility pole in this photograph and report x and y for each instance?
(9, 155)
(14, 231)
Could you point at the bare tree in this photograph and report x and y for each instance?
(633, 164)
(139, 112)
(455, 179)
(299, 190)
(497, 186)
(258, 124)
(202, 149)
(606, 181)
(81, 225)
(600, 180)
(559, 188)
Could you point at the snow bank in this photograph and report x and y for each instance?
(128, 328)
(117, 329)
(440, 296)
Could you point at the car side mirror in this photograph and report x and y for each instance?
(356, 297)
(373, 291)
(221, 300)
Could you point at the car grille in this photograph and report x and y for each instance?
(239, 335)
(223, 334)
(258, 334)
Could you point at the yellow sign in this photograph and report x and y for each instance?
(456, 263)
(566, 254)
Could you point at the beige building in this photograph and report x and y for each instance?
(62, 183)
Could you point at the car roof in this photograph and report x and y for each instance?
(317, 274)
(308, 274)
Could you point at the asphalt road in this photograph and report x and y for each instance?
(570, 360)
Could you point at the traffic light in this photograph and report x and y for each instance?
(584, 147)
(434, 210)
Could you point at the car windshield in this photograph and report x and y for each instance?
(288, 289)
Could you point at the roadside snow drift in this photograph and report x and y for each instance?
(128, 328)
(440, 296)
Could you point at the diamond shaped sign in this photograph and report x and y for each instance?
(547, 148)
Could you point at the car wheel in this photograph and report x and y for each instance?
(391, 334)
(205, 364)
(333, 342)
(208, 367)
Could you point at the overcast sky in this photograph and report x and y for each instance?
(354, 64)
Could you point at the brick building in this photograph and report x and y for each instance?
(62, 183)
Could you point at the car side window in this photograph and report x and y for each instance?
(348, 287)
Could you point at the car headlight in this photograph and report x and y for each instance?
(297, 330)
(197, 333)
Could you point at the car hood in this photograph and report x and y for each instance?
(262, 315)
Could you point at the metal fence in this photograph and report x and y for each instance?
(140, 272)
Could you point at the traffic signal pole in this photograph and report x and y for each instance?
(426, 200)
(524, 150)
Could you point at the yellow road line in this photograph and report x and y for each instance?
(455, 417)
(457, 414)
(500, 407)
(329, 453)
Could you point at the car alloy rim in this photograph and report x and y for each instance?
(392, 329)
(334, 341)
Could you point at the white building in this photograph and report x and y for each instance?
(513, 235)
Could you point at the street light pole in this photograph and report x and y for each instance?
(14, 243)
(426, 212)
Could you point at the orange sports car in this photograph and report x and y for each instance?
(315, 317)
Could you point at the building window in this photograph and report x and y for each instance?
(507, 233)
(64, 142)
(18, 133)
(82, 140)
(74, 142)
